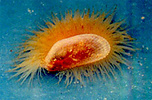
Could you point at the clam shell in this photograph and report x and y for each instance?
(82, 49)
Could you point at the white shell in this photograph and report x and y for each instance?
(100, 46)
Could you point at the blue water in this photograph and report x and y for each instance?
(16, 16)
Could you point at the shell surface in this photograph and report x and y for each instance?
(76, 51)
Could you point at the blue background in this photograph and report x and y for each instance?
(17, 16)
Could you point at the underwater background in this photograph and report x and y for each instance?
(18, 16)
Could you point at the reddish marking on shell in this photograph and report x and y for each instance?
(78, 53)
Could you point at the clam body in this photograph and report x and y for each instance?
(76, 51)
(77, 46)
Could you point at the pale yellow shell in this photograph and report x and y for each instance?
(99, 46)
